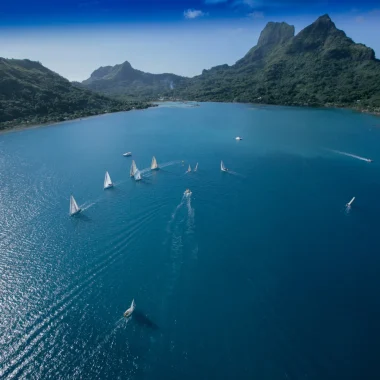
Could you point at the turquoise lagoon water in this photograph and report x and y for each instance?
(261, 274)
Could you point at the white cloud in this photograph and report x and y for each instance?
(256, 15)
(247, 3)
(193, 13)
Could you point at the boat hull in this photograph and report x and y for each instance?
(108, 187)
(76, 212)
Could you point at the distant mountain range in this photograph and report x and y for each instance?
(320, 66)
(32, 94)
(123, 79)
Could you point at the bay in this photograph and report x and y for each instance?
(262, 273)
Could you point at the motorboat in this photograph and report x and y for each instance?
(238, 138)
(187, 193)
(128, 154)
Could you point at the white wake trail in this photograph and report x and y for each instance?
(174, 214)
(87, 205)
(160, 166)
(350, 155)
(236, 174)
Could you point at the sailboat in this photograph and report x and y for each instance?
(196, 167)
(107, 181)
(133, 170)
(154, 165)
(137, 175)
(74, 208)
(130, 310)
(350, 202)
(189, 169)
(222, 167)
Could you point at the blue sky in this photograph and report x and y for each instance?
(74, 37)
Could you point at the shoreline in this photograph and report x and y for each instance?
(24, 127)
(328, 106)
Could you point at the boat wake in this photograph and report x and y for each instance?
(87, 205)
(174, 214)
(170, 163)
(236, 174)
(180, 241)
(160, 166)
(350, 155)
(108, 339)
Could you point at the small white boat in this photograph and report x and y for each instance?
(154, 165)
(74, 208)
(133, 170)
(137, 175)
(189, 169)
(350, 202)
(130, 310)
(187, 193)
(128, 154)
(238, 138)
(107, 181)
(196, 167)
(222, 167)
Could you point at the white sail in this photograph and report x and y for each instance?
(350, 202)
(74, 208)
(189, 169)
(196, 167)
(154, 164)
(222, 167)
(130, 310)
(107, 181)
(137, 175)
(133, 170)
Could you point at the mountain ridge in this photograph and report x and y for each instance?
(30, 94)
(318, 66)
(123, 79)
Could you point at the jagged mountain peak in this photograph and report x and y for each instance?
(275, 33)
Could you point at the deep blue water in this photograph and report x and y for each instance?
(261, 274)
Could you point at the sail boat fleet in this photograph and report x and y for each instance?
(136, 174)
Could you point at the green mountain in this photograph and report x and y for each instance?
(124, 80)
(32, 94)
(319, 66)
